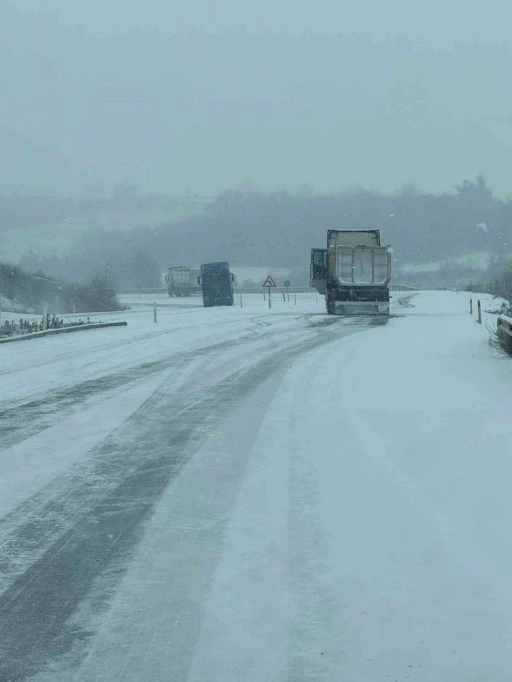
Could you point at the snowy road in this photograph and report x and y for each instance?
(245, 494)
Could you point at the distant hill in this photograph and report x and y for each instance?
(435, 238)
(52, 226)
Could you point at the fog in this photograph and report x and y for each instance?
(437, 23)
(202, 96)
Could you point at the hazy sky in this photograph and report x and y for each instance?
(437, 22)
(204, 95)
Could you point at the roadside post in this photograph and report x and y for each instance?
(287, 284)
(270, 284)
(241, 303)
(154, 312)
(470, 306)
(479, 306)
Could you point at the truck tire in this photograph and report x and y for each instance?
(330, 304)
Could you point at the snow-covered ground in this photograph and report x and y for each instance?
(183, 325)
(340, 508)
(62, 395)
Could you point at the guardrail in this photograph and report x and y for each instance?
(504, 331)
(62, 330)
(401, 287)
(142, 290)
(248, 290)
(275, 290)
(236, 290)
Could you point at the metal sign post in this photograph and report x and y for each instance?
(287, 285)
(270, 284)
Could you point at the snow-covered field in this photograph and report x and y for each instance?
(476, 260)
(253, 494)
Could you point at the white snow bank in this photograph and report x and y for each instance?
(9, 307)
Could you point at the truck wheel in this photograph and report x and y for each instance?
(329, 304)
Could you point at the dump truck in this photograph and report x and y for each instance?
(353, 272)
(216, 280)
(182, 281)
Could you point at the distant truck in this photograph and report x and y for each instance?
(182, 281)
(216, 280)
(353, 272)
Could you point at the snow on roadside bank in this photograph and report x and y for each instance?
(12, 308)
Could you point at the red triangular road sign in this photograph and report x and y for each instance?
(269, 282)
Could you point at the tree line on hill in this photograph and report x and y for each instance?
(251, 228)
